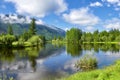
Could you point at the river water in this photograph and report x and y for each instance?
(52, 62)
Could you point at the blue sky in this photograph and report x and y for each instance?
(88, 15)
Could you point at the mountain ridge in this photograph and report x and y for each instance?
(21, 23)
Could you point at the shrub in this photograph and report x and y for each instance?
(35, 40)
(86, 63)
(7, 39)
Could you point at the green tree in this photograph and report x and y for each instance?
(74, 35)
(88, 37)
(25, 35)
(117, 38)
(10, 30)
(32, 29)
(104, 36)
(96, 36)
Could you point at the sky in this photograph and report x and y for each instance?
(88, 15)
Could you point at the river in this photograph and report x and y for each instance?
(52, 62)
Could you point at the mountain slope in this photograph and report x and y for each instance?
(21, 23)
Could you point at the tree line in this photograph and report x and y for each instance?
(76, 35)
(103, 36)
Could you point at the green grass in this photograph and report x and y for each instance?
(58, 42)
(86, 63)
(23, 44)
(102, 42)
(62, 41)
(109, 73)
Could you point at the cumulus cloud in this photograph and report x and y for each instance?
(82, 17)
(89, 28)
(14, 18)
(113, 2)
(112, 24)
(96, 4)
(39, 8)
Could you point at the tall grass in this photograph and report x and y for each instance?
(87, 62)
(109, 73)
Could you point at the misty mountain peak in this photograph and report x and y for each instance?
(14, 18)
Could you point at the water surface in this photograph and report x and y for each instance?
(52, 61)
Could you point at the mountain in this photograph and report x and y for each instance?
(21, 23)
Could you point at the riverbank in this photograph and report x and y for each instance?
(108, 73)
(101, 42)
(63, 41)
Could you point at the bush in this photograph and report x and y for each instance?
(86, 63)
(35, 40)
(111, 72)
(7, 39)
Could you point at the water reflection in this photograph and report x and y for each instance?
(73, 49)
(76, 49)
(102, 47)
(16, 60)
(56, 60)
(6, 55)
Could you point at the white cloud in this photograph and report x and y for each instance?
(96, 4)
(112, 24)
(14, 18)
(108, 5)
(39, 8)
(82, 17)
(119, 4)
(66, 29)
(117, 9)
(113, 2)
(89, 28)
(39, 21)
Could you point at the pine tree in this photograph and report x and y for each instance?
(10, 30)
(32, 29)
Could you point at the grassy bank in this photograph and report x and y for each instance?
(63, 41)
(109, 73)
(59, 41)
(22, 44)
(101, 42)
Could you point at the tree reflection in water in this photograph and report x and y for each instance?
(73, 49)
(13, 59)
(102, 47)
